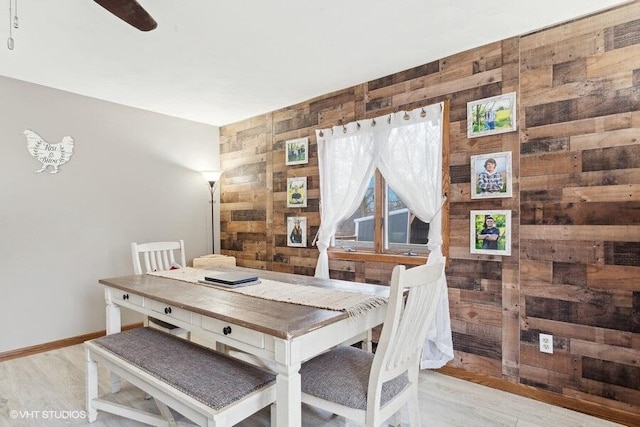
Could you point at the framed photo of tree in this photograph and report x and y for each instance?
(490, 232)
(491, 175)
(297, 192)
(297, 231)
(296, 151)
(490, 116)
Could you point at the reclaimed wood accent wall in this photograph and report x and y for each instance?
(245, 211)
(580, 208)
(574, 269)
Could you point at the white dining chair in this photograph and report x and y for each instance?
(159, 256)
(369, 389)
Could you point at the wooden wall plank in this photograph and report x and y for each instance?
(600, 140)
(614, 233)
(595, 178)
(606, 352)
(586, 252)
(550, 164)
(618, 277)
(592, 313)
(609, 193)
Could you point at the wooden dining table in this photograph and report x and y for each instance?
(280, 334)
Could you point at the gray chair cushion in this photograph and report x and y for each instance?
(342, 376)
(208, 376)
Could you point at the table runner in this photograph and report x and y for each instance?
(352, 303)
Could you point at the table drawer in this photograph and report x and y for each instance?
(123, 296)
(171, 311)
(238, 333)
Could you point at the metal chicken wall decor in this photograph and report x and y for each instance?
(49, 155)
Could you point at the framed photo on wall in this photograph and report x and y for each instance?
(493, 115)
(297, 192)
(491, 175)
(490, 232)
(296, 151)
(297, 231)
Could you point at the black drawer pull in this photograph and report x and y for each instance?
(167, 310)
(125, 296)
(226, 330)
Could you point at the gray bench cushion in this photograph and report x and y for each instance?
(342, 376)
(208, 376)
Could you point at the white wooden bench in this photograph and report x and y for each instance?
(207, 387)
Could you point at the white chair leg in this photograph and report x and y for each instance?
(91, 387)
(165, 412)
(396, 419)
(343, 421)
(273, 417)
(414, 411)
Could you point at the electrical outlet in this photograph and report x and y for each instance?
(546, 343)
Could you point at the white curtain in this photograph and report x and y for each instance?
(407, 149)
(410, 159)
(345, 156)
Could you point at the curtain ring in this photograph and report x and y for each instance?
(373, 122)
(389, 119)
(358, 125)
(406, 116)
(344, 128)
(423, 113)
(321, 133)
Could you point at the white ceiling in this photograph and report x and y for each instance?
(220, 62)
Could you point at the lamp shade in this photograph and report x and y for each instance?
(211, 176)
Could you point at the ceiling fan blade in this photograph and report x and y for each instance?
(130, 12)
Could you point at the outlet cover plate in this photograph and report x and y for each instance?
(546, 343)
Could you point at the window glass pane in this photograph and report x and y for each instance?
(403, 227)
(358, 229)
(405, 231)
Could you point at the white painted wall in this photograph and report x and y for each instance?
(134, 176)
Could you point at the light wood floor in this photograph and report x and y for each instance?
(53, 383)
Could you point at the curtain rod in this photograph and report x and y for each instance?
(406, 116)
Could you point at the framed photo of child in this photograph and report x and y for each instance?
(490, 232)
(297, 231)
(491, 175)
(490, 116)
(296, 151)
(297, 192)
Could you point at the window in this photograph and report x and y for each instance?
(411, 149)
(400, 230)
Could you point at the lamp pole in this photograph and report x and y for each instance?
(212, 177)
(213, 230)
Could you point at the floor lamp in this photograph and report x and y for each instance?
(212, 177)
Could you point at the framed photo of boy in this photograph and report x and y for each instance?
(491, 175)
(297, 192)
(490, 232)
(297, 231)
(490, 116)
(296, 151)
